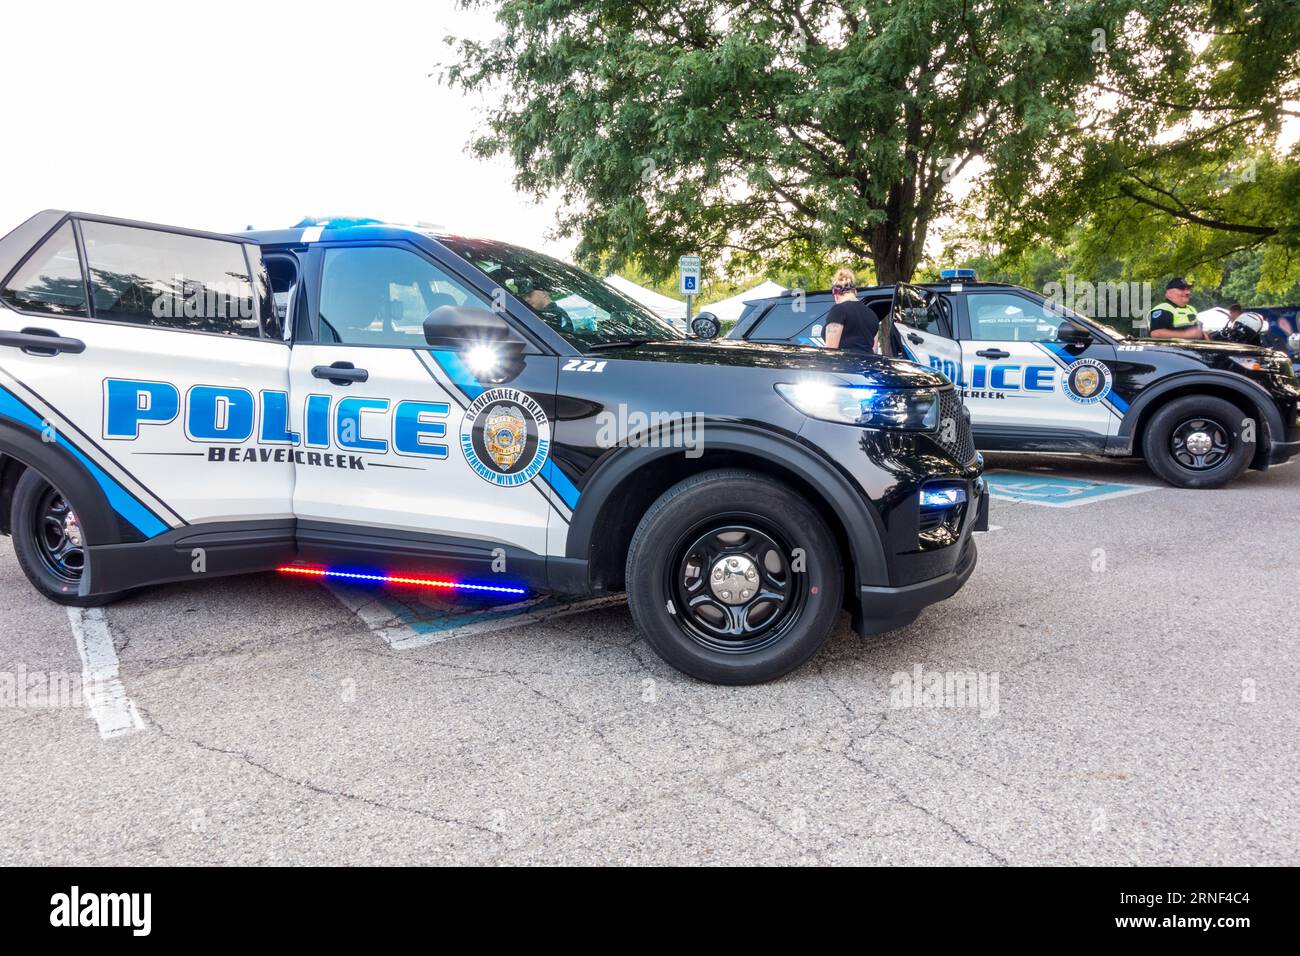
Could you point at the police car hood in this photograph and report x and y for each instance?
(877, 369)
(1203, 347)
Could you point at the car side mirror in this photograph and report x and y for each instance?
(706, 326)
(460, 327)
(489, 348)
(1070, 334)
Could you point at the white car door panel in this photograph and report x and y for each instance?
(394, 432)
(1019, 377)
(165, 410)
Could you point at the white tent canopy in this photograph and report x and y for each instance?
(1213, 319)
(728, 310)
(661, 305)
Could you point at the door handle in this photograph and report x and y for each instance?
(41, 342)
(340, 373)
(915, 339)
(993, 353)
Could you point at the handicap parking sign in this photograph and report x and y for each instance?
(689, 269)
(1055, 491)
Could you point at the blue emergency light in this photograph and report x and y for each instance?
(956, 275)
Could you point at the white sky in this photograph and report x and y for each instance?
(235, 113)
(221, 115)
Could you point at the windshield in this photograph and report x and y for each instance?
(1113, 333)
(576, 304)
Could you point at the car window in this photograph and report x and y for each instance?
(50, 281)
(171, 281)
(381, 295)
(584, 310)
(1005, 317)
(926, 311)
(788, 317)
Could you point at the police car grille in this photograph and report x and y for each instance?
(962, 447)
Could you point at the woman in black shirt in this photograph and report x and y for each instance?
(849, 323)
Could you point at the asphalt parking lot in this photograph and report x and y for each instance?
(1136, 654)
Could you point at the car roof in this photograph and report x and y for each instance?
(944, 286)
(340, 230)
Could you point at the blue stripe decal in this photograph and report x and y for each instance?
(463, 378)
(1112, 401)
(1059, 352)
(123, 502)
(561, 484)
(468, 383)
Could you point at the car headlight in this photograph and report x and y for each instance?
(869, 406)
(1252, 362)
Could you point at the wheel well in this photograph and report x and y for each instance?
(622, 511)
(1244, 402)
(10, 471)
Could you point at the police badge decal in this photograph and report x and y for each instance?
(1087, 381)
(505, 436)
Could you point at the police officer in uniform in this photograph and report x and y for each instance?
(1175, 318)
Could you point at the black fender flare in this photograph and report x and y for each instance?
(99, 521)
(860, 522)
(1244, 387)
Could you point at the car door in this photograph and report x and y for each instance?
(166, 376)
(920, 328)
(1026, 388)
(414, 457)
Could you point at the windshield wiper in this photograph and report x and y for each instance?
(618, 344)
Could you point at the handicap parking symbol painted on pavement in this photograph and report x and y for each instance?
(1055, 491)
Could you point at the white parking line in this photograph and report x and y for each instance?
(101, 688)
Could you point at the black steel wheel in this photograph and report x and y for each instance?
(1200, 444)
(50, 542)
(1199, 441)
(58, 538)
(734, 583)
(733, 578)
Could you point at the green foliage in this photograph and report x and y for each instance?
(1118, 139)
(1176, 168)
(777, 136)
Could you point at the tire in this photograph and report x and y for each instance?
(1171, 455)
(721, 516)
(37, 506)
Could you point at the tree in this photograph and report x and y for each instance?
(1175, 168)
(776, 133)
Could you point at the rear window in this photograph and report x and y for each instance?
(170, 281)
(50, 281)
(788, 317)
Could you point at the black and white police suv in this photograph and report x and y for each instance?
(372, 403)
(1039, 378)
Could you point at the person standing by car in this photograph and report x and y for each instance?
(849, 323)
(1175, 318)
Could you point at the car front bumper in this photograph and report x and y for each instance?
(884, 608)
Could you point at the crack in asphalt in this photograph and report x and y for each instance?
(321, 790)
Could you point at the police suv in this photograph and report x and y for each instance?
(372, 403)
(1040, 378)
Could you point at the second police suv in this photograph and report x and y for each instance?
(1039, 378)
(373, 403)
